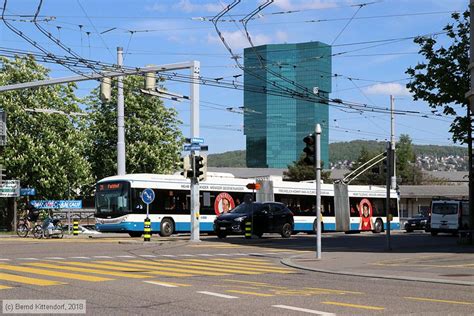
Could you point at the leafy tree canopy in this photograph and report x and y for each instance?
(443, 78)
(152, 135)
(44, 151)
(300, 171)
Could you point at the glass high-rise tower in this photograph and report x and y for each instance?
(275, 121)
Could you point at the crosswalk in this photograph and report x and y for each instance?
(53, 272)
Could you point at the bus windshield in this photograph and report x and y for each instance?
(112, 197)
(445, 208)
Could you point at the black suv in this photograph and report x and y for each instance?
(266, 217)
(417, 222)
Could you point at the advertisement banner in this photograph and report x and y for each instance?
(57, 204)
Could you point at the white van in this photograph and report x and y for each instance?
(449, 216)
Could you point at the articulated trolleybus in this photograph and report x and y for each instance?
(119, 207)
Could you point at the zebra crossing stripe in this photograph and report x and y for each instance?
(26, 280)
(53, 273)
(94, 271)
(160, 268)
(200, 266)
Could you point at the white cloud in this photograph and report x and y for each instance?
(281, 36)
(188, 7)
(305, 4)
(388, 88)
(237, 40)
(156, 7)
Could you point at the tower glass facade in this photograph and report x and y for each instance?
(275, 122)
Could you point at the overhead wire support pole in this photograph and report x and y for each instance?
(194, 94)
(392, 142)
(120, 118)
(387, 200)
(317, 166)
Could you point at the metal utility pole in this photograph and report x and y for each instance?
(317, 166)
(470, 111)
(387, 201)
(195, 205)
(392, 142)
(120, 118)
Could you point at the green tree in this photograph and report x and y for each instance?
(443, 79)
(152, 135)
(300, 171)
(44, 151)
(372, 176)
(406, 167)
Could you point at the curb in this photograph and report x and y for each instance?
(289, 262)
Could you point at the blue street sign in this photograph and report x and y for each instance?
(27, 191)
(148, 195)
(197, 140)
(192, 147)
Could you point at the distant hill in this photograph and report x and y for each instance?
(341, 151)
(350, 150)
(234, 159)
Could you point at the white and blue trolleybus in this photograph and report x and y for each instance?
(120, 208)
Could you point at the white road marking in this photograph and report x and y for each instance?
(169, 256)
(102, 257)
(161, 284)
(28, 259)
(217, 294)
(148, 256)
(205, 255)
(79, 257)
(304, 310)
(222, 254)
(4, 259)
(126, 256)
(54, 258)
(187, 255)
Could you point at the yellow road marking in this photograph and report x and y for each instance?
(163, 268)
(333, 291)
(170, 283)
(261, 284)
(88, 270)
(196, 265)
(121, 268)
(245, 266)
(248, 260)
(439, 301)
(54, 273)
(249, 293)
(256, 263)
(26, 280)
(377, 308)
(4, 287)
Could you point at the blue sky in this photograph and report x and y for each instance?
(164, 32)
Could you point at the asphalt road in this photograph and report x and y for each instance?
(124, 276)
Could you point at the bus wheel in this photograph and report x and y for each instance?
(166, 227)
(378, 226)
(221, 235)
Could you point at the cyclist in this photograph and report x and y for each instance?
(32, 214)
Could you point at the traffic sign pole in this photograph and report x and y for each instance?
(148, 196)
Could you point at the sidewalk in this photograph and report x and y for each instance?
(435, 267)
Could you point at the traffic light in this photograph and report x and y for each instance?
(185, 165)
(105, 89)
(200, 167)
(309, 150)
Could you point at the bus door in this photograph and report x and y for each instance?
(341, 207)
